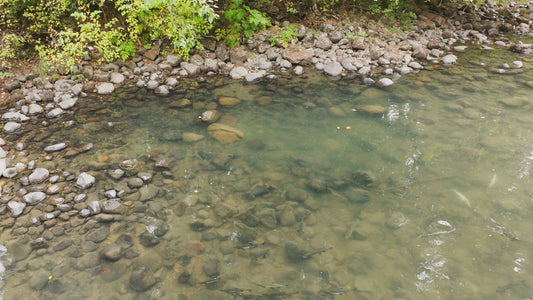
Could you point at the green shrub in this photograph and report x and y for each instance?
(286, 36)
(240, 21)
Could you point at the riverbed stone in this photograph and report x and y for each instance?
(333, 69)
(16, 207)
(10, 172)
(39, 279)
(85, 180)
(385, 82)
(68, 102)
(209, 116)
(224, 134)
(254, 76)
(34, 198)
(55, 147)
(111, 252)
(323, 42)
(14, 116)
(372, 109)
(148, 192)
(11, 127)
(113, 206)
(35, 109)
(54, 113)
(449, 59)
(191, 69)
(105, 88)
(238, 72)
(19, 249)
(142, 278)
(38, 175)
(297, 55)
(229, 101)
(191, 137)
(515, 101)
(116, 78)
(97, 235)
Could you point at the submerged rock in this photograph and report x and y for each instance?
(223, 133)
(85, 180)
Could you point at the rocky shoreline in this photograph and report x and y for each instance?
(35, 196)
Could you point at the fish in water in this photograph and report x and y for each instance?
(462, 197)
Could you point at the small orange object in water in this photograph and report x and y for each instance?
(348, 127)
(435, 66)
(103, 271)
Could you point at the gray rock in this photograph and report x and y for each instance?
(11, 85)
(19, 249)
(34, 198)
(368, 81)
(211, 65)
(171, 82)
(55, 147)
(385, 82)
(85, 180)
(173, 60)
(161, 90)
(113, 206)
(333, 69)
(415, 65)
(116, 174)
(211, 267)
(364, 70)
(449, 59)
(35, 109)
(405, 70)
(117, 78)
(347, 65)
(253, 77)
(112, 252)
(39, 279)
(11, 127)
(323, 42)
(63, 244)
(267, 217)
(14, 116)
(56, 112)
(238, 72)
(260, 62)
(10, 172)
(517, 64)
(152, 84)
(141, 279)
(105, 88)
(16, 207)
(148, 192)
(238, 54)
(97, 235)
(68, 102)
(38, 175)
(298, 70)
(192, 69)
(94, 207)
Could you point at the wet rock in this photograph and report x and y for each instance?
(225, 210)
(152, 84)
(333, 69)
(141, 279)
(161, 90)
(97, 235)
(85, 181)
(54, 113)
(517, 64)
(397, 220)
(221, 160)
(113, 206)
(267, 217)
(317, 185)
(297, 55)
(63, 244)
(38, 175)
(148, 239)
(296, 252)
(449, 59)
(10, 172)
(67, 102)
(39, 279)
(55, 147)
(209, 116)
(105, 88)
(238, 54)
(94, 207)
(296, 194)
(224, 134)
(372, 109)
(11, 127)
(20, 249)
(16, 207)
(323, 42)
(238, 72)
(11, 85)
(148, 192)
(260, 189)
(116, 78)
(255, 144)
(254, 76)
(135, 182)
(385, 82)
(181, 103)
(39, 243)
(286, 216)
(229, 101)
(357, 195)
(515, 101)
(112, 252)
(298, 70)
(191, 69)
(14, 117)
(34, 198)
(116, 174)
(191, 137)
(211, 267)
(363, 178)
(131, 166)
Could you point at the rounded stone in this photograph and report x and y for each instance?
(34, 198)
(38, 175)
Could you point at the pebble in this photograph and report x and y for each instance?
(449, 59)
(385, 82)
(34, 198)
(105, 88)
(16, 207)
(85, 180)
(38, 175)
(54, 113)
(11, 127)
(10, 172)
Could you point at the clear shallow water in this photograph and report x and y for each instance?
(449, 213)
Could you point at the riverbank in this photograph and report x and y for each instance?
(46, 210)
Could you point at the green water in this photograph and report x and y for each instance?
(448, 216)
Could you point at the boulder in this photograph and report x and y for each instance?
(296, 55)
(223, 133)
(333, 69)
(85, 180)
(105, 88)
